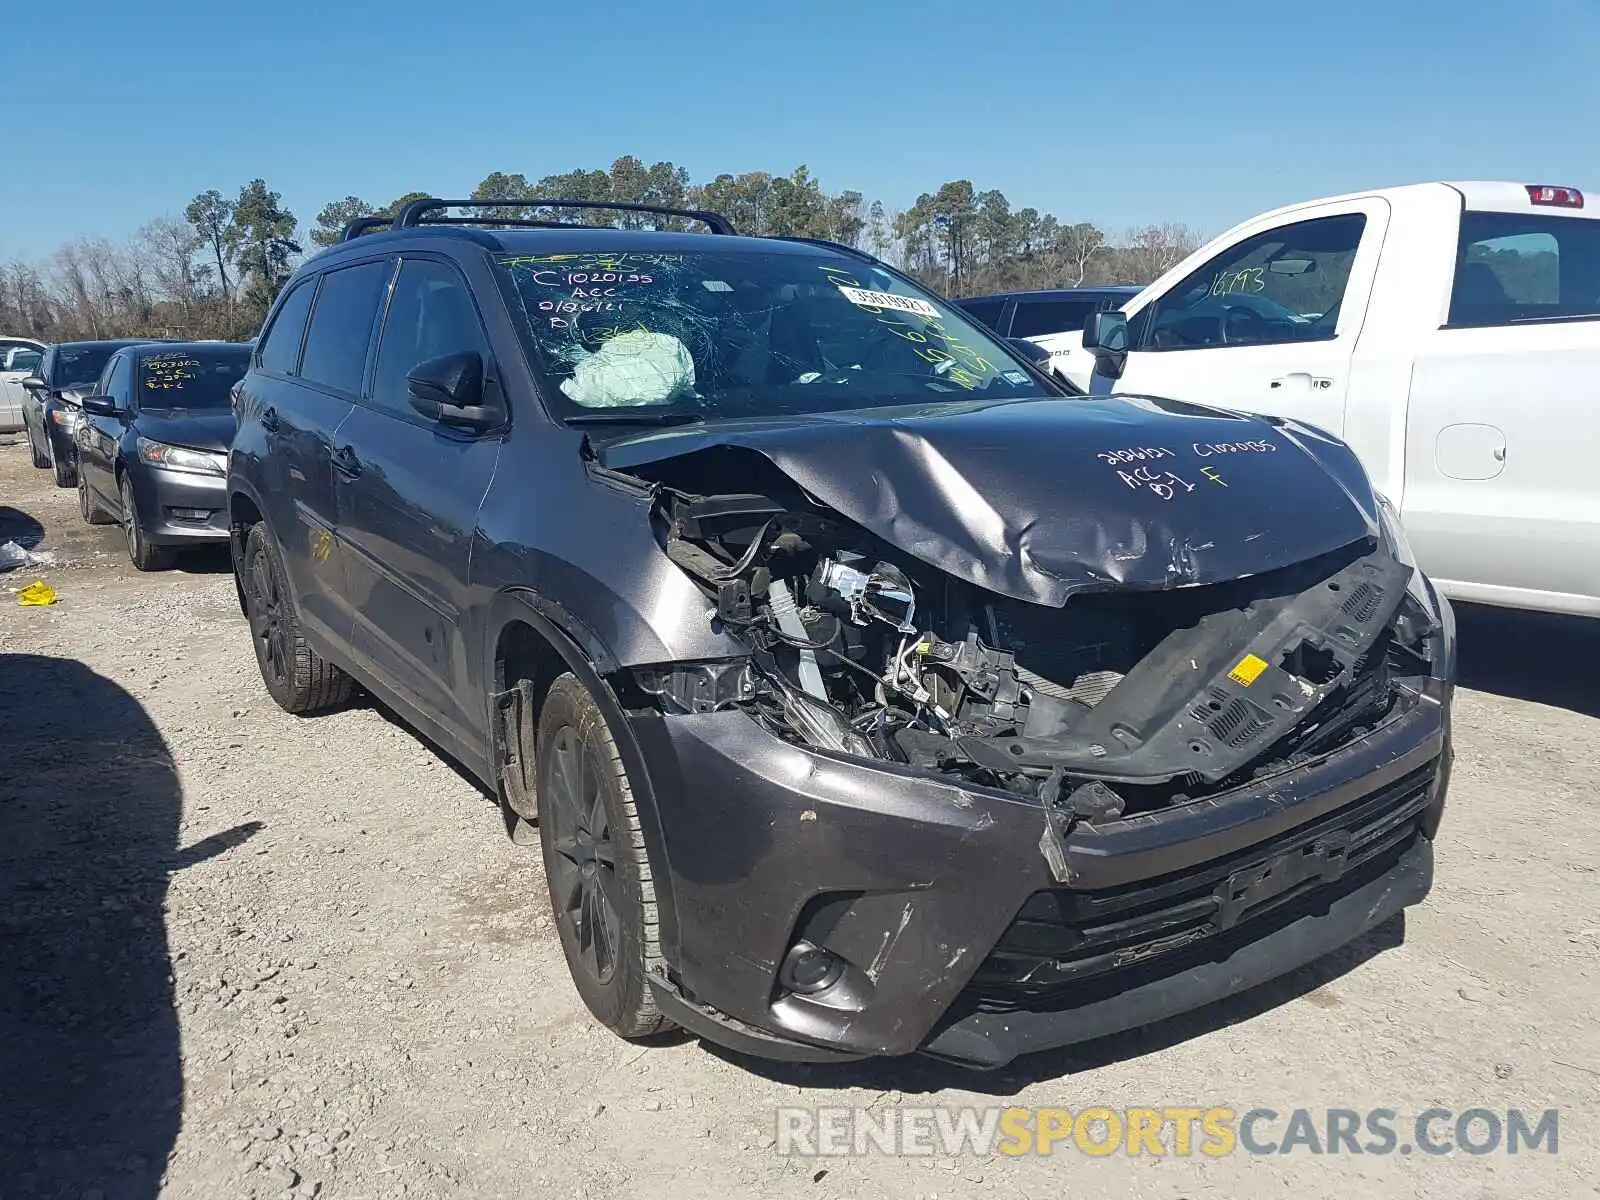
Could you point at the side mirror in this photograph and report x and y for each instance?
(1105, 335)
(35, 383)
(100, 406)
(1032, 351)
(449, 389)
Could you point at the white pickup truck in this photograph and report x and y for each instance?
(1450, 332)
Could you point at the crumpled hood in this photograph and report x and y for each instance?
(196, 428)
(1043, 499)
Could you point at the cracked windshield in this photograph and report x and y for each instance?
(635, 336)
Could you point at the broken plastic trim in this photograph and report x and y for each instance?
(697, 687)
(1210, 699)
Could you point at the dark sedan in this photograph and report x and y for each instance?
(153, 446)
(51, 411)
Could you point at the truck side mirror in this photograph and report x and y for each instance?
(1105, 335)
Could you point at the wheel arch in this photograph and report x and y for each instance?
(243, 514)
(531, 636)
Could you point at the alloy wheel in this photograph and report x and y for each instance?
(267, 617)
(584, 882)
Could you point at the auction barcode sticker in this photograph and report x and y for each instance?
(908, 304)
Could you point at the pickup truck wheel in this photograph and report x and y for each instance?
(602, 893)
(141, 553)
(297, 677)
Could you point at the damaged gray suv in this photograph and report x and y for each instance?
(871, 695)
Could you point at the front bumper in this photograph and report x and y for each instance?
(921, 888)
(179, 508)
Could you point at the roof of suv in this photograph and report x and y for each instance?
(518, 234)
(579, 238)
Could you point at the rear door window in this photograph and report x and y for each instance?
(342, 321)
(1515, 268)
(280, 347)
(1035, 318)
(987, 311)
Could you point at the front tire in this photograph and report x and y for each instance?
(297, 677)
(143, 555)
(602, 893)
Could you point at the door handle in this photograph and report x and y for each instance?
(346, 462)
(1316, 382)
(269, 420)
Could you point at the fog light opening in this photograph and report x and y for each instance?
(808, 969)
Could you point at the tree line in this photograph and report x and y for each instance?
(214, 271)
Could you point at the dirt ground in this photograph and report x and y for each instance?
(244, 954)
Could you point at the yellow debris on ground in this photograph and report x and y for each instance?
(37, 592)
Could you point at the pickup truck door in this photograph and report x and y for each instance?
(1499, 501)
(1267, 323)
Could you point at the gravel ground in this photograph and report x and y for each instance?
(248, 955)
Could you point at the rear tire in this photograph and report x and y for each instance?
(88, 507)
(144, 556)
(602, 893)
(66, 472)
(299, 679)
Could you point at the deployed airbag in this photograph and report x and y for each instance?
(633, 368)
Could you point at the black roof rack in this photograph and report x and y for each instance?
(413, 214)
(361, 225)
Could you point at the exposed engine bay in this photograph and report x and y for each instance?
(1119, 702)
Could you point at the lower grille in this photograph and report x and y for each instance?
(1063, 939)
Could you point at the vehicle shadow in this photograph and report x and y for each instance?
(1545, 658)
(90, 1074)
(19, 527)
(205, 560)
(916, 1075)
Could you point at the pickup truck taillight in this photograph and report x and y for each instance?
(1555, 197)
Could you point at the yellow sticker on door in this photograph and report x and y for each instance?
(1247, 670)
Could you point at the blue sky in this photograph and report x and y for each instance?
(1119, 113)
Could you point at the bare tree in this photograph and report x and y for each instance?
(1078, 245)
(170, 248)
(1155, 249)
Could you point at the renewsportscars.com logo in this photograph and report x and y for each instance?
(1099, 1131)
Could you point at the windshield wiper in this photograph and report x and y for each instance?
(624, 416)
